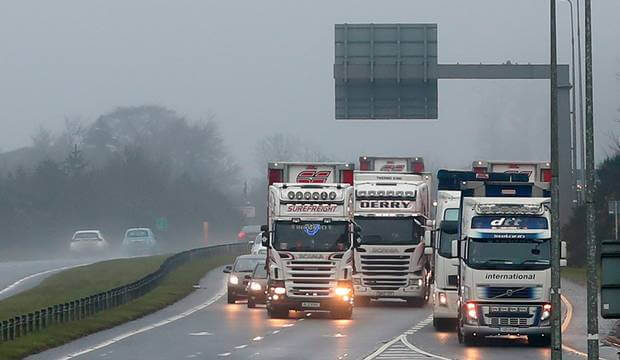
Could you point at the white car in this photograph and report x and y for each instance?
(139, 241)
(89, 242)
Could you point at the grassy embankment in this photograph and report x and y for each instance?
(91, 279)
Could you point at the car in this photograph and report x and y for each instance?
(89, 242)
(139, 241)
(257, 287)
(248, 232)
(239, 275)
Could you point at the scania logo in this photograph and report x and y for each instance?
(310, 256)
(384, 250)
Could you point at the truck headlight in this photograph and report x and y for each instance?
(443, 300)
(234, 280)
(254, 286)
(279, 290)
(342, 291)
(471, 311)
(546, 313)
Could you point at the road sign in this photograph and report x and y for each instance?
(386, 71)
(161, 224)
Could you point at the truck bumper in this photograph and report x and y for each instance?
(311, 304)
(400, 293)
(503, 331)
(447, 310)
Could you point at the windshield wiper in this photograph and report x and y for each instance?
(536, 261)
(492, 261)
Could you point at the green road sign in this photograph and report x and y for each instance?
(161, 224)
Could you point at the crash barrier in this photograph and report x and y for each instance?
(82, 308)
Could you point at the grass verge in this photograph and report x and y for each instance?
(575, 274)
(178, 284)
(80, 282)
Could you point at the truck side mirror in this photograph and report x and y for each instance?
(264, 233)
(563, 261)
(357, 235)
(455, 248)
(428, 239)
(227, 269)
(428, 250)
(430, 223)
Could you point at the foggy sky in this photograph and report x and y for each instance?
(266, 66)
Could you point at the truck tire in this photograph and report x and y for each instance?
(277, 313)
(231, 298)
(539, 340)
(471, 340)
(362, 300)
(251, 303)
(341, 314)
(440, 324)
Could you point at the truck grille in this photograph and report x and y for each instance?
(509, 315)
(504, 321)
(310, 278)
(385, 272)
(513, 292)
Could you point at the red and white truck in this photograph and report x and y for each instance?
(393, 212)
(309, 238)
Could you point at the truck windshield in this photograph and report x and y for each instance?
(445, 239)
(311, 236)
(509, 253)
(389, 231)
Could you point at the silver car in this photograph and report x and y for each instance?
(139, 241)
(88, 242)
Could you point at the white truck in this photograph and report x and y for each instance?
(445, 266)
(504, 251)
(392, 211)
(309, 238)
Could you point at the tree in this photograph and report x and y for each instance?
(75, 163)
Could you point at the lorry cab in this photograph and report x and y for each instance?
(504, 258)
(309, 239)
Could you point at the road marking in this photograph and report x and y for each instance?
(224, 354)
(169, 320)
(202, 333)
(18, 282)
(241, 346)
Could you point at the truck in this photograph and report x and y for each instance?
(445, 266)
(309, 238)
(504, 253)
(392, 210)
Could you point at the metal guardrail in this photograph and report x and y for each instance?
(82, 308)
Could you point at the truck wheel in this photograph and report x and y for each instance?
(539, 340)
(416, 302)
(341, 314)
(231, 298)
(362, 300)
(439, 324)
(251, 303)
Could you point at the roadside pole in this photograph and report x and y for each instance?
(556, 305)
(592, 291)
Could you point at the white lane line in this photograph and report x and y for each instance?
(29, 277)
(202, 333)
(169, 320)
(566, 323)
(241, 346)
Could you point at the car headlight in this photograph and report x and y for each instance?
(254, 286)
(279, 290)
(233, 279)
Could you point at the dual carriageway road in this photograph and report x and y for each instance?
(203, 326)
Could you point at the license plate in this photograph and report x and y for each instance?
(509, 329)
(310, 304)
(385, 293)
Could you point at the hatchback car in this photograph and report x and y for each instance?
(240, 275)
(257, 286)
(139, 241)
(88, 242)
